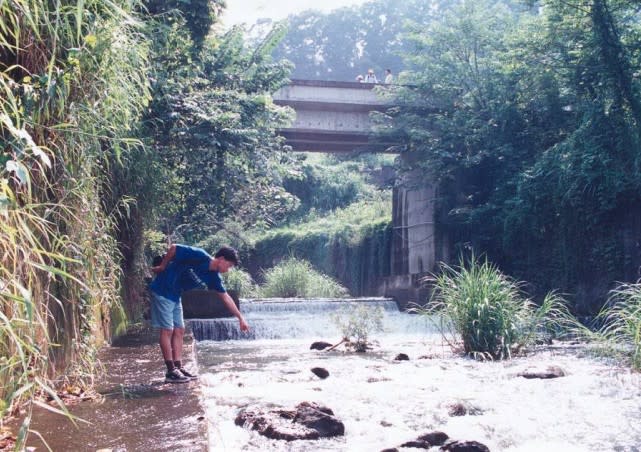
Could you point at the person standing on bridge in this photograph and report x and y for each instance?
(186, 268)
(371, 77)
(389, 78)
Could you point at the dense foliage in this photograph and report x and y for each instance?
(74, 87)
(527, 114)
(212, 127)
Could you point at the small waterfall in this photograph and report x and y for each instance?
(278, 318)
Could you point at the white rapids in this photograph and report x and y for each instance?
(384, 403)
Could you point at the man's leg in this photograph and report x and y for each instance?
(177, 344)
(162, 317)
(166, 344)
(177, 341)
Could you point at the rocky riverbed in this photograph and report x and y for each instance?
(558, 398)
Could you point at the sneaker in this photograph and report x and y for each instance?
(175, 376)
(184, 372)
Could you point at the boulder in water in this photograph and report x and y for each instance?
(308, 421)
(427, 440)
(465, 446)
(320, 345)
(436, 438)
(320, 372)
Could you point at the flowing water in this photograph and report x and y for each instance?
(384, 403)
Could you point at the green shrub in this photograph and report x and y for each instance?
(240, 281)
(621, 319)
(488, 311)
(297, 278)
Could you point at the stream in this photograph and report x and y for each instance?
(384, 402)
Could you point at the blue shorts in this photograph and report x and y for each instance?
(166, 314)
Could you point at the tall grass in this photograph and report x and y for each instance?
(297, 278)
(488, 312)
(72, 85)
(621, 320)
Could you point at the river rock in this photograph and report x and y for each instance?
(308, 421)
(320, 372)
(320, 345)
(416, 444)
(548, 372)
(465, 446)
(427, 440)
(434, 438)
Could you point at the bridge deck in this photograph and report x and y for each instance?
(331, 116)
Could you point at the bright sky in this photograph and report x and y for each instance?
(248, 11)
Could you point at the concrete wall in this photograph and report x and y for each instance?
(343, 121)
(419, 242)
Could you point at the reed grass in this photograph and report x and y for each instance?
(72, 86)
(486, 310)
(241, 282)
(620, 318)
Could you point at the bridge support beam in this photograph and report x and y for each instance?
(419, 242)
(330, 116)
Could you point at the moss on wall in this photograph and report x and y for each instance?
(357, 257)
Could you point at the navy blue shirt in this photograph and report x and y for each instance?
(188, 270)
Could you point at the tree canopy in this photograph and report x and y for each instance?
(528, 116)
(348, 41)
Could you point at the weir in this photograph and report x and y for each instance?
(279, 318)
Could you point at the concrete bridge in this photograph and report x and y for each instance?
(334, 117)
(331, 116)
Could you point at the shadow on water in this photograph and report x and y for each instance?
(136, 391)
(136, 410)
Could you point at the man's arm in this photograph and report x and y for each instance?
(229, 302)
(169, 256)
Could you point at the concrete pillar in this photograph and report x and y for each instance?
(419, 242)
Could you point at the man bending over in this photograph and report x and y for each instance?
(186, 268)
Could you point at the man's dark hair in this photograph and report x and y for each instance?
(157, 260)
(229, 254)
